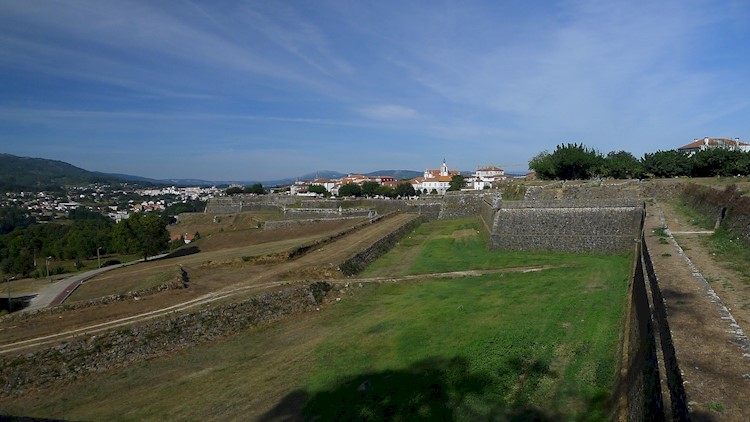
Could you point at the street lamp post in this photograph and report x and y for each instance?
(48, 278)
(98, 258)
(8, 280)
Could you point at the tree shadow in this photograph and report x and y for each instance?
(432, 389)
(16, 303)
(185, 251)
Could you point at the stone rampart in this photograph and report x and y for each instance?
(248, 202)
(286, 224)
(361, 260)
(460, 205)
(601, 227)
(307, 213)
(584, 191)
(126, 346)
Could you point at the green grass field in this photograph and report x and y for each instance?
(502, 346)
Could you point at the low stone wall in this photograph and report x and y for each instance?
(361, 260)
(307, 213)
(286, 224)
(126, 346)
(604, 227)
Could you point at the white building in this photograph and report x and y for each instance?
(437, 180)
(708, 143)
(485, 176)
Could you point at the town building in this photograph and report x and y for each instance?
(708, 143)
(435, 180)
(485, 177)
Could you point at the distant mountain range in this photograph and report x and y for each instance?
(26, 173)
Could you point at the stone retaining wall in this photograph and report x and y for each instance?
(307, 213)
(285, 224)
(129, 345)
(638, 394)
(604, 227)
(460, 205)
(360, 261)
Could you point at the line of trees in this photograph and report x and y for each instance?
(256, 188)
(576, 161)
(25, 248)
(372, 189)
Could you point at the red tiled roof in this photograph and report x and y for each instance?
(714, 142)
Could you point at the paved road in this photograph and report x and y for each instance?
(58, 291)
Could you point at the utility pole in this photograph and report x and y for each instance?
(48, 279)
(98, 258)
(7, 281)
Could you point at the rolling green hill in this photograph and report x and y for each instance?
(25, 173)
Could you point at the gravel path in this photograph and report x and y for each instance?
(711, 348)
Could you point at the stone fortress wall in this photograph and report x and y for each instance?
(589, 221)
(603, 226)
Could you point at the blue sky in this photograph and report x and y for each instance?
(259, 90)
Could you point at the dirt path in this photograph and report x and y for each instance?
(711, 354)
(54, 328)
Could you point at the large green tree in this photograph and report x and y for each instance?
(405, 189)
(458, 182)
(319, 189)
(669, 163)
(256, 188)
(141, 233)
(370, 188)
(622, 165)
(350, 189)
(568, 162)
(718, 162)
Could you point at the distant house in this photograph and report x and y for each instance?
(708, 143)
(485, 176)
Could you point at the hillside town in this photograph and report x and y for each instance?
(433, 181)
(117, 203)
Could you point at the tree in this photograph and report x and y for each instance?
(256, 188)
(14, 217)
(543, 166)
(405, 189)
(568, 162)
(670, 163)
(717, 162)
(319, 189)
(622, 165)
(370, 188)
(146, 234)
(350, 189)
(234, 190)
(386, 191)
(458, 182)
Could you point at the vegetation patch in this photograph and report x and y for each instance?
(696, 218)
(534, 345)
(728, 249)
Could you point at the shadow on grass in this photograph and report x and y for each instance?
(182, 252)
(432, 389)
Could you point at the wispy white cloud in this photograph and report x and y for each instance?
(499, 77)
(389, 112)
